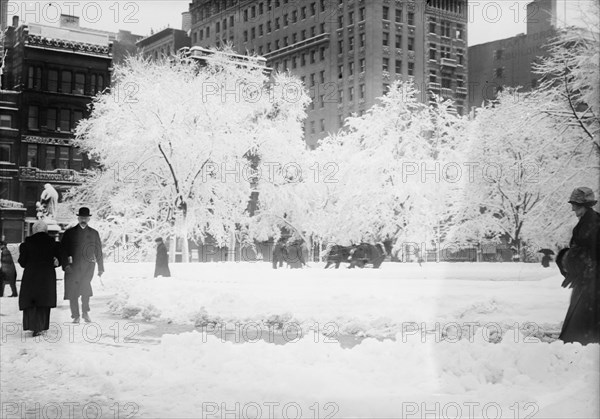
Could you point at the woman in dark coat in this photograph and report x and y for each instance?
(162, 259)
(8, 273)
(579, 265)
(39, 255)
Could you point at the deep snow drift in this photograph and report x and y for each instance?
(461, 340)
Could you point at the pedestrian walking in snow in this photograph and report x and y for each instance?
(8, 273)
(38, 255)
(579, 265)
(162, 259)
(81, 249)
(279, 253)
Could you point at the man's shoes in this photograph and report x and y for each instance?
(86, 317)
(15, 295)
(36, 333)
(76, 320)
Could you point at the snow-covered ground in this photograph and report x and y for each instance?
(441, 340)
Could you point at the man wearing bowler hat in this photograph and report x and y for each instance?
(81, 249)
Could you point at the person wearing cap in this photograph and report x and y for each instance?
(579, 266)
(81, 249)
(162, 259)
(38, 256)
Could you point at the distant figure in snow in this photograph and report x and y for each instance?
(546, 261)
(279, 252)
(579, 266)
(8, 273)
(162, 259)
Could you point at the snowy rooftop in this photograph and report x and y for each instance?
(68, 34)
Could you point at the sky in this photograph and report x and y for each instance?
(489, 20)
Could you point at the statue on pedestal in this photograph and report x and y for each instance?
(48, 200)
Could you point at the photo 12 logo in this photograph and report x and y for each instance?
(45, 12)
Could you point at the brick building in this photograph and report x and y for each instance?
(509, 61)
(53, 72)
(346, 52)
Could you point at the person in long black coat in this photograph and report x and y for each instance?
(81, 248)
(8, 273)
(579, 265)
(162, 259)
(38, 255)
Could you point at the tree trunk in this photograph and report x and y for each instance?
(172, 248)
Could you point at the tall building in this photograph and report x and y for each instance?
(509, 61)
(3, 15)
(346, 52)
(163, 43)
(53, 73)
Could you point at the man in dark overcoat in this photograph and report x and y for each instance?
(579, 265)
(81, 249)
(162, 259)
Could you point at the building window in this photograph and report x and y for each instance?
(411, 18)
(285, 20)
(34, 80)
(322, 5)
(460, 56)
(322, 53)
(260, 30)
(386, 64)
(51, 119)
(386, 39)
(245, 36)
(268, 26)
(446, 83)
(302, 35)
(340, 21)
(398, 16)
(341, 71)
(303, 59)
(50, 158)
(460, 31)
(340, 46)
(294, 38)
(231, 21)
(362, 14)
(79, 83)
(445, 28)
(4, 155)
(432, 76)
(432, 52)
(460, 80)
(322, 125)
(294, 16)
(277, 26)
(362, 91)
(411, 43)
(313, 9)
(218, 27)
(350, 43)
(260, 9)
(65, 120)
(351, 94)
(313, 56)
(398, 67)
(65, 85)
(432, 25)
(33, 118)
(63, 157)
(77, 116)
(363, 40)
(351, 68)
(498, 54)
(312, 127)
(340, 96)
(6, 121)
(363, 65)
(52, 81)
(386, 13)
(32, 155)
(398, 41)
(322, 76)
(499, 72)
(350, 18)
(411, 69)
(313, 31)
(322, 27)
(312, 79)
(445, 52)
(246, 15)
(253, 33)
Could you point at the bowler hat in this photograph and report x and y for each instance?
(84, 212)
(158, 239)
(582, 196)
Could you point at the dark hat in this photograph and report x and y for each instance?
(84, 212)
(158, 239)
(582, 196)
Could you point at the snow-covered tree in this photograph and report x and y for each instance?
(523, 171)
(395, 170)
(569, 91)
(177, 143)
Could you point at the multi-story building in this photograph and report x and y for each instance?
(3, 15)
(54, 72)
(508, 62)
(163, 43)
(346, 52)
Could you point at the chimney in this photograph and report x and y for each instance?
(186, 21)
(68, 21)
